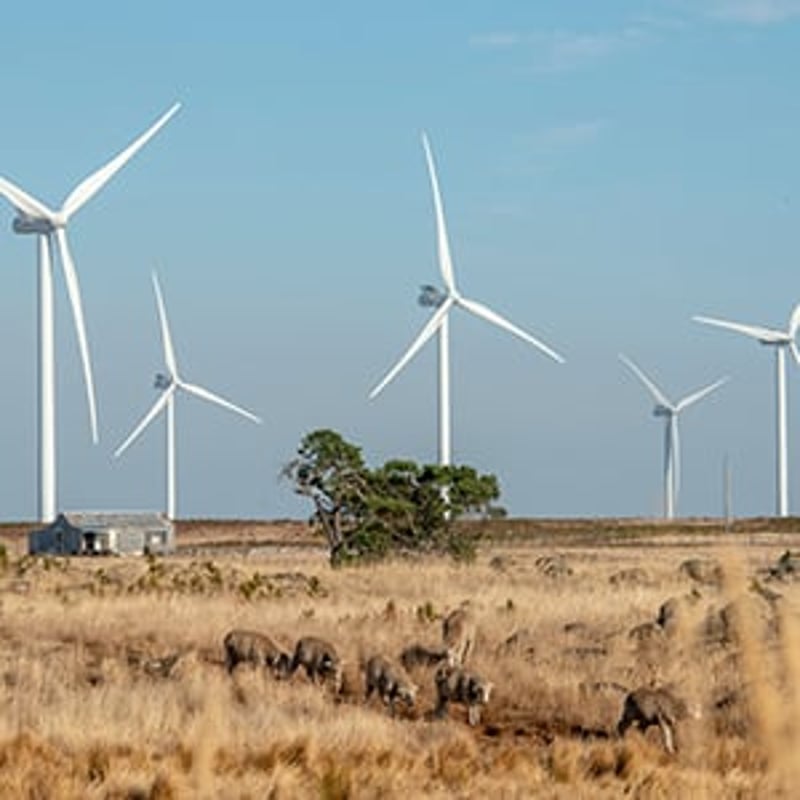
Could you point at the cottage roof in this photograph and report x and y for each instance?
(103, 520)
(60, 525)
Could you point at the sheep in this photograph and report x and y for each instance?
(456, 685)
(243, 646)
(418, 655)
(319, 659)
(646, 706)
(389, 682)
(458, 634)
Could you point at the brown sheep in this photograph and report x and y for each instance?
(319, 659)
(645, 707)
(389, 682)
(458, 634)
(242, 646)
(417, 655)
(455, 685)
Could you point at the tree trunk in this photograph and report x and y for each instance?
(331, 524)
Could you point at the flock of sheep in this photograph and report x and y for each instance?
(453, 683)
(318, 657)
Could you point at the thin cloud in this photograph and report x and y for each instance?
(565, 136)
(754, 12)
(563, 51)
(568, 51)
(660, 22)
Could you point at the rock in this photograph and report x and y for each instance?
(702, 570)
(553, 566)
(673, 612)
(633, 576)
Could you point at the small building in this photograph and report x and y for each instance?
(60, 538)
(105, 533)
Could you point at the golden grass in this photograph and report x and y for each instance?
(90, 710)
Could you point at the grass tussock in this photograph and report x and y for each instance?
(113, 684)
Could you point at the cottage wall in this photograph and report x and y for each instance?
(55, 541)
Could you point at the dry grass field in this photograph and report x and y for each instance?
(112, 683)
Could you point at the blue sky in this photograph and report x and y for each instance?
(608, 170)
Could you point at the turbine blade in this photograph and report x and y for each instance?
(23, 202)
(73, 290)
(795, 352)
(90, 186)
(443, 246)
(146, 420)
(794, 321)
(658, 395)
(482, 311)
(754, 331)
(700, 394)
(431, 326)
(199, 391)
(166, 338)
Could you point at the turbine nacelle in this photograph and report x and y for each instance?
(663, 411)
(774, 337)
(162, 381)
(431, 296)
(25, 224)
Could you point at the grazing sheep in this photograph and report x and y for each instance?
(417, 655)
(389, 682)
(458, 634)
(254, 648)
(319, 659)
(455, 685)
(645, 707)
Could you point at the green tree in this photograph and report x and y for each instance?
(399, 507)
(331, 473)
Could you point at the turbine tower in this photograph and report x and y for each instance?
(443, 302)
(34, 217)
(670, 412)
(780, 340)
(169, 384)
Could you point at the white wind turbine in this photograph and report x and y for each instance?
(670, 411)
(169, 384)
(780, 340)
(439, 321)
(34, 217)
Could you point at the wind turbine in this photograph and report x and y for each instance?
(34, 217)
(443, 302)
(670, 412)
(169, 384)
(780, 340)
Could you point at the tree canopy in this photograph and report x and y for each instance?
(400, 507)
